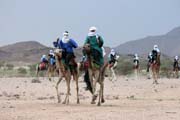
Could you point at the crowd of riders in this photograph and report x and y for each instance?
(67, 45)
(96, 42)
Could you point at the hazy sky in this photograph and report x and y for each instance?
(117, 21)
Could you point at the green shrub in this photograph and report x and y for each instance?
(166, 67)
(2, 63)
(9, 66)
(124, 67)
(32, 68)
(22, 71)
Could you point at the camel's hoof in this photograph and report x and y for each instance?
(50, 79)
(99, 104)
(64, 102)
(94, 97)
(93, 102)
(78, 102)
(155, 83)
(103, 101)
(59, 101)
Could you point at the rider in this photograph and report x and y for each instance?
(51, 57)
(96, 43)
(136, 58)
(51, 54)
(43, 63)
(55, 43)
(44, 59)
(176, 59)
(149, 61)
(112, 57)
(155, 53)
(67, 44)
(150, 58)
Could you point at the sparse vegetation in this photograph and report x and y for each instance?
(2, 63)
(10, 66)
(124, 67)
(22, 70)
(166, 68)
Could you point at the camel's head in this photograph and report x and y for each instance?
(87, 48)
(58, 53)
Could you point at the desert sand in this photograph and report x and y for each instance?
(126, 99)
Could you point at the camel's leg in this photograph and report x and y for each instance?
(75, 76)
(157, 71)
(177, 73)
(149, 73)
(113, 74)
(45, 73)
(49, 74)
(100, 94)
(37, 71)
(53, 73)
(66, 100)
(57, 90)
(110, 74)
(136, 73)
(100, 90)
(94, 86)
(102, 85)
(155, 76)
(69, 80)
(114, 71)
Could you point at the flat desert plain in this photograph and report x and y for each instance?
(126, 99)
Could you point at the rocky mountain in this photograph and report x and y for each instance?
(23, 52)
(30, 52)
(168, 43)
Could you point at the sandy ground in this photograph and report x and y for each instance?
(126, 99)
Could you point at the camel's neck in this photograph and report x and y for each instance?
(60, 64)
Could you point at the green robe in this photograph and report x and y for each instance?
(92, 40)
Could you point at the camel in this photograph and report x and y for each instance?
(176, 69)
(48, 69)
(43, 69)
(136, 68)
(66, 73)
(51, 70)
(96, 75)
(149, 71)
(112, 66)
(155, 67)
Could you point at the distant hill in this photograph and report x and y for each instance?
(169, 44)
(30, 52)
(23, 52)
